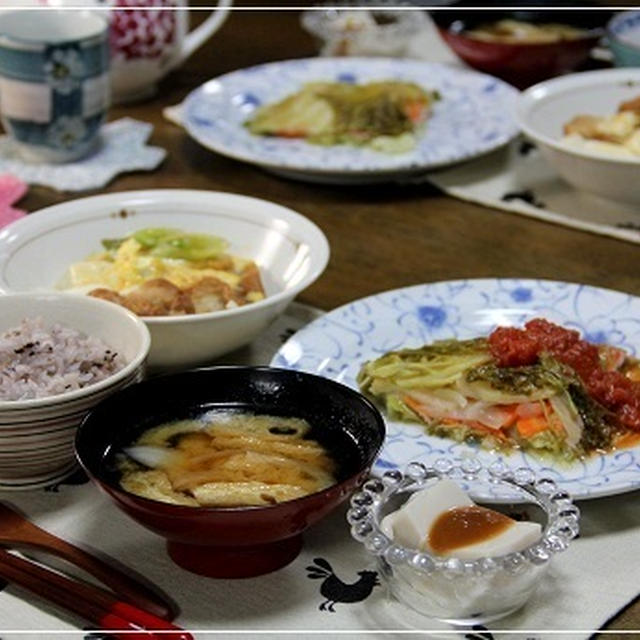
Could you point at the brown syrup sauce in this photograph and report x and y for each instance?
(463, 526)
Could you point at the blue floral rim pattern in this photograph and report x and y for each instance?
(473, 117)
(339, 342)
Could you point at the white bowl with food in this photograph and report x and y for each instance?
(207, 271)
(61, 354)
(587, 125)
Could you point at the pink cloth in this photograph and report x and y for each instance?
(11, 190)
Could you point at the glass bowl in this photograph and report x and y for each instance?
(351, 29)
(465, 592)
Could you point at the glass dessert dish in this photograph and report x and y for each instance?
(447, 588)
(350, 29)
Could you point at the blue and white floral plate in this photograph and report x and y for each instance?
(336, 344)
(473, 117)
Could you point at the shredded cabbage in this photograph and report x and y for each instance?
(456, 391)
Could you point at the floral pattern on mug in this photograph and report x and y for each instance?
(65, 70)
(66, 131)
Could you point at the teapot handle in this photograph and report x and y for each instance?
(198, 36)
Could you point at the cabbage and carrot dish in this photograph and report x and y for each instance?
(382, 115)
(542, 389)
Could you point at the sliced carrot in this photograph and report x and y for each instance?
(414, 111)
(291, 133)
(418, 408)
(511, 410)
(422, 413)
(529, 410)
(629, 439)
(529, 427)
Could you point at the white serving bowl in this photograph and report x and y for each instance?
(290, 251)
(36, 435)
(543, 109)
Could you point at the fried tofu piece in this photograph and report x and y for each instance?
(616, 128)
(250, 281)
(231, 494)
(109, 295)
(205, 466)
(159, 297)
(630, 105)
(155, 485)
(619, 127)
(585, 126)
(307, 451)
(194, 441)
(211, 294)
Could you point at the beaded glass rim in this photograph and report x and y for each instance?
(562, 516)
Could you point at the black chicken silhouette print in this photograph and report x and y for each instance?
(482, 633)
(335, 590)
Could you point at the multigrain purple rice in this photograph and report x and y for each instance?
(39, 360)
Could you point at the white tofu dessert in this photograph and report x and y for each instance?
(443, 521)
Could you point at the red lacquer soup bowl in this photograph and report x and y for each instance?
(240, 541)
(522, 63)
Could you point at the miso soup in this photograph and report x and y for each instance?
(227, 459)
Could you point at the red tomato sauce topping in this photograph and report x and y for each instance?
(511, 347)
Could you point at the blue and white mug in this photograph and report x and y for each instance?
(54, 81)
(623, 34)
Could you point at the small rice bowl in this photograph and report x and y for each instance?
(38, 361)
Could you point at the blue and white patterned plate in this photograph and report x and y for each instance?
(473, 117)
(337, 344)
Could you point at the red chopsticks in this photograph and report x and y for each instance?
(90, 602)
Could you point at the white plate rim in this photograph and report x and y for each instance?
(279, 360)
(327, 173)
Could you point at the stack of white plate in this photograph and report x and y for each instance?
(36, 435)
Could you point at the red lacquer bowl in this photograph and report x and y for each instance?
(522, 64)
(233, 542)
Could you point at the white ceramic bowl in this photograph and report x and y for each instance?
(290, 251)
(543, 109)
(36, 436)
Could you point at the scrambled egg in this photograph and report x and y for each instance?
(128, 268)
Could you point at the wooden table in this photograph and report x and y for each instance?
(381, 237)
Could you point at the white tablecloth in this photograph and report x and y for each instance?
(586, 585)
